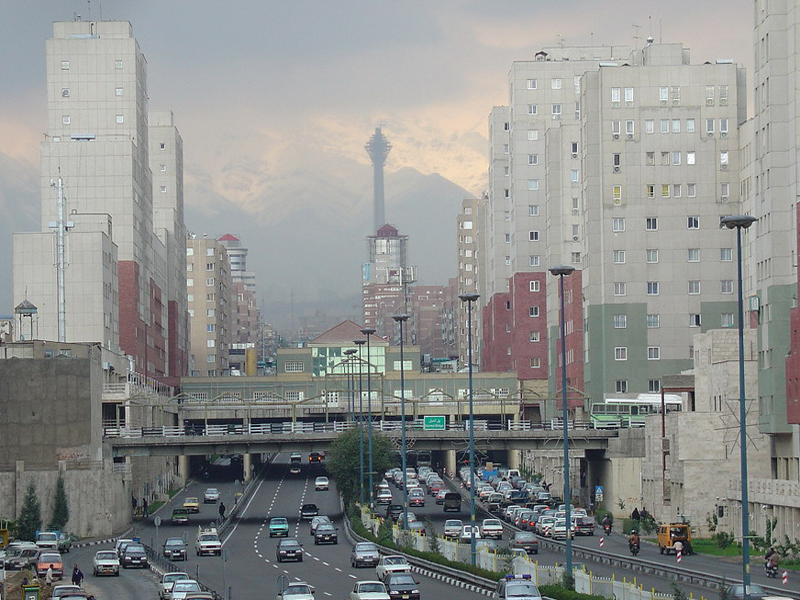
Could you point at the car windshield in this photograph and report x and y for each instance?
(106, 556)
(52, 558)
(174, 543)
(279, 521)
(403, 580)
(492, 522)
(290, 544)
(186, 586)
(46, 537)
(208, 537)
(173, 577)
(371, 587)
(395, 560)
(297, 589)
(514, 590)
(322, 527)
(366, 547)
(134, 548)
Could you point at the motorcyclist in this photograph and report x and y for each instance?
(606, 522)
(771, 561)
(633, 539)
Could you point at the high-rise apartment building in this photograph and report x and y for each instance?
(208, 282)
(470, 223)
(120, 277)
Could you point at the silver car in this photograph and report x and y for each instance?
(364, 554)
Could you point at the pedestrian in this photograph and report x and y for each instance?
(48, 578)
(635, 514)
(677, 545)
(644, 514)
(77, 576)
(221, 510)
(144, 507)
(135, 503)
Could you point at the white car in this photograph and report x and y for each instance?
(492, 529)
(470, 531)
(321, 483)
(392, 564)
(66, 590)
(452, 528)
(105, 562)
(369, 590)
(182, 588)
(167, 580)
(211, 496)
(384, 497)
(297, 590)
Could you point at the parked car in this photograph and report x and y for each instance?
(67, 591)
(105, 562)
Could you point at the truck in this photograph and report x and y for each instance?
(53, 540)
(207, 542)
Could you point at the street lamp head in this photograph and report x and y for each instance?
(350, 351)
(359, 342)
(368, 331)
(562, 270)
(400, 318)
(734, 221)
(470, 297)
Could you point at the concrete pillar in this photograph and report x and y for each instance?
(183, 468)
(450, 462)
(246, 462)
(514, 459)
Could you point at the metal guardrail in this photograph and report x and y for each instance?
(289, 427)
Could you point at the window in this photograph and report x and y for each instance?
(653, 321)
(533, 261)
(211, 358)
(508, 238)
(726, 320)
(533, 286)
(629, 128)
(724, 190)
(535, 363)
(652, 256)
(577, 111)
(533, 210)
(619, 257)
(689, 125)
(210, 282)
(508, 327)
(725, 254)
(618, 224)
(574, 176)
(663, 94)
(690, 157)
(505, 171)
(190, 282)
(710, 126)
(676, 159)
(294, 366)
(556, 111)
(653, 386)
(163, 168)
(676, 125)
(533, 159)
(665, 159)
(691, 190)
(466, 225)
(664, 125)
(652, 224)
(694, 255)
(620, 321)
(620, 288)
(162, 146)
(532, 110)
(709, 94)
(723, 126)
(162, 189)
(576, 83)
(118, 91)
(533, 184)
(621, 353)
(508, 261)
(534, 336)
(694, 287)
(532, 84)
(650, 159)
(628, 94)
(211, 297)
(652, 288)
(726, 286)
(665, 190)
(615, 127)
(615, 95)
(649, 126)
(211, 343)
(209, 252)
(533, 236)
(65, 119)
(120, 119)
(676, 94)
(676, 190)
(723, 95)
(118, 64)
(505, 148)
(533, 135)
(723, 159)
(209, 266)
(693, 222)
(65, 92)
(507, 192)
(574, 149)
(616, 159)
(694, 320)
(555, 84)
(621, 386)
(653, 353)
(533, 311)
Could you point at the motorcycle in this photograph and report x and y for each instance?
(607, 528)
(771, 569)
(634, 548)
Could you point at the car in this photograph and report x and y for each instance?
(321, 484)
(211, 496)
(439, 496)
(134, 555)
(192, 504)
(416, 497)
(384, 496)
(120, 543)
(74, 596)
(492, 529)
(393, 511)
(294, 469)
(20, 557)
(50, 559)
(452, 528)
(369, 590)
(289, 549)
(417, 527)
(468, 532)
(364, 554)
(61, 591)
(585, 525)
(326, 533)
(200, 596)
(295, 456)
(182, 589)
(278, 527)
(308, 512)
(167, 580)
(208, 542)
(174, 548)
(296, 590)
(518, 587)
(319, 520)
(402, 586)
(47, 540)
(525, 540)
(314, 457)
(559, 530)
(754, 592)
(452, 502)
(392, 563)
(180, 516)
(105, 562)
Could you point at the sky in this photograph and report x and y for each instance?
(276, 99)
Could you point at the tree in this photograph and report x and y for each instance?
(60, 507)
(343, 462)
(30, 517)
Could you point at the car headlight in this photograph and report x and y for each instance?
(415, 591)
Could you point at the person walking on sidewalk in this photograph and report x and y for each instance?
(221, 511)
(77, 576)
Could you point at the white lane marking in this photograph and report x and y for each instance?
(260, 483)
(354, 577)
(326, 564)
(338, 569)
(327, 593)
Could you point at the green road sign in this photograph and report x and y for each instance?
(434, 423)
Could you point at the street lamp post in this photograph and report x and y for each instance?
(350, 400)
(740, 222)
(368, 331)
(360, 343)
(470, 299)
(402, 319)
(562, 272)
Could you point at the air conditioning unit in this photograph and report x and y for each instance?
(676, 102)
(616, 169)
(556, 117)
(665, 445)
(663, 103)
(574, 238)
(723, 134)
(574, 211)
(710, 133)
(723, 102)
(724, 198)
(574, 155)
(615, 104)
(723, 167)
(630, 136)
(709, 102)
(616, 136)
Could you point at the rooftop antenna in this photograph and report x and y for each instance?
(89, 9)
(591, 38)
(636, 36)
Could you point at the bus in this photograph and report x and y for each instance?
(614, 413)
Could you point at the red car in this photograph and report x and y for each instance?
(416, 499)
